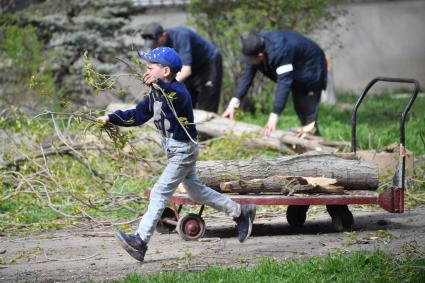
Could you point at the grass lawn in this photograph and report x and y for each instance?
(378, 121)
(355, 267)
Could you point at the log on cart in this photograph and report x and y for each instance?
(350, 174)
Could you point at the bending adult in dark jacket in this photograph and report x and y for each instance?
(294, 62)
(202, 71)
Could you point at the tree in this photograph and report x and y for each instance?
(225, 21)
(25, 67)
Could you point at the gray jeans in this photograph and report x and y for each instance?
(182, 158)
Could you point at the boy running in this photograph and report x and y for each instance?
(179, 144)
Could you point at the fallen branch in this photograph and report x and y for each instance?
(71, 259)
(56, 151)
(288, 141)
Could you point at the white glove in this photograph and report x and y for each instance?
(230, 110)
(271, 124)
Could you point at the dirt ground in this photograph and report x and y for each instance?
(74, 255)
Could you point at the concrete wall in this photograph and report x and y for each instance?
(383, 39)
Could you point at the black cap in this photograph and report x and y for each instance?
(251, 46)
(151, 33)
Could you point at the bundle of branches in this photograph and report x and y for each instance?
(72, 166)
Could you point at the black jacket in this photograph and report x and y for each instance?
(292, 61)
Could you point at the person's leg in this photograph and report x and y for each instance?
(211, 80)
(136, 245)
(159, 197)
(180, 161)
(306, 104)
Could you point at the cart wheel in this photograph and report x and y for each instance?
(296, 215)
(191, 227)
(166, 228)
(342, 218)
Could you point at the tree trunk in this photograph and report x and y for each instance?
(350, 174)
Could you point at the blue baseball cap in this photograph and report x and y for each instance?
(165, 56)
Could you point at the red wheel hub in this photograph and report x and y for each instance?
(191, 227)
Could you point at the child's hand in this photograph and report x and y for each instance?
(103, 119)
(149, 79)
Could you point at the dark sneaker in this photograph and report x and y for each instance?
(245, 220)
(133, 244)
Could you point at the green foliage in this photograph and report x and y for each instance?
(101, 82)
(183, 121)
(303, 16)
(171, 95)
(356, 267)
(378, 122)
(25, 66)
(94, 79)
(224, 22)
(72, 187)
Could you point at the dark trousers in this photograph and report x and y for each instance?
(205, 85)
(306, 104)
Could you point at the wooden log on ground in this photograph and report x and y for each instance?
(287, 141)
(350, 174)
(290, 141)
(283, 185)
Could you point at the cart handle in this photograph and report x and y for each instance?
(400, 182)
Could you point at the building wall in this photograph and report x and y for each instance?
(383, 39)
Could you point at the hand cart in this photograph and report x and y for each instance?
(192, 226)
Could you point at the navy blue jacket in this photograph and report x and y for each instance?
(194, 50)
(154, 105)
(292, 61)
